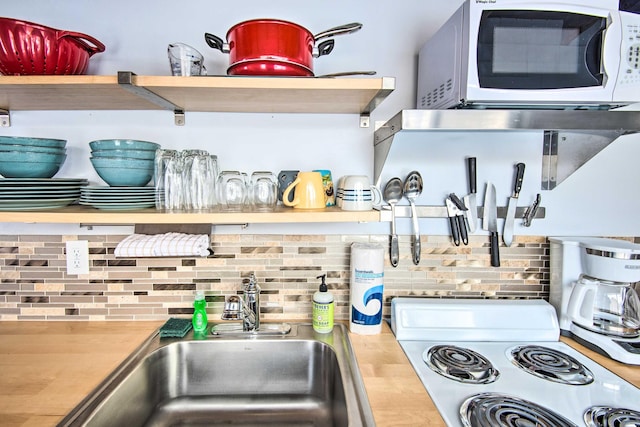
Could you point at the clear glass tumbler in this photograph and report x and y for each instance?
(168, 179)
(263, 191)
(231, 191)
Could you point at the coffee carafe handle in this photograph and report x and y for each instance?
(582, 303)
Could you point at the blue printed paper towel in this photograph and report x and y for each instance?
(367, 286)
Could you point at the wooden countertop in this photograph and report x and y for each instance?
(48, 367)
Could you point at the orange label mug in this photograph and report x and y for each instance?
(309, 192)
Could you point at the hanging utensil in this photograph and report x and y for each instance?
(491, 220)
(507, 232)
(392, 195)
(412, 190)
(456, 213)
(470, 199)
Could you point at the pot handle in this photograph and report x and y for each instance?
(216, 42)
(336, 31)
(87, 42)
(323, 48)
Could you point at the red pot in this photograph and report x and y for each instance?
(33, 49)
(272, 47)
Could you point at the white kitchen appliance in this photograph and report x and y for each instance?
(515, 53)
(592, 290)
(499, 363)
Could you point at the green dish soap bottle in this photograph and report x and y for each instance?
(323, 308)
(199, 319)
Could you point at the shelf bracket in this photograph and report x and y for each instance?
(125, 80)
(388, 86)
(564, 152)
(5, 120)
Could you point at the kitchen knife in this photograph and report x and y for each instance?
(491, 218)
(507, 233)
(470, 199)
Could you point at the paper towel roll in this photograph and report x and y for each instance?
(367, 286)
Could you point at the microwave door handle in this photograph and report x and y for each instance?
(603, 38)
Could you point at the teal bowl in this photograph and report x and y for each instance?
(13, 169)
(123, 144)
(119, 177)
(37, 142)
(33, 148)
(129, 154)
(31, 156)
(122, 163)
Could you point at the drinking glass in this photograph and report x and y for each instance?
(168, 179)
(263, 191)
(197, 179)
(231, 191)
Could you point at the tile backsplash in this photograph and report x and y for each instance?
(34, 284)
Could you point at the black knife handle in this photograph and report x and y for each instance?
(517, 186)
(462, 224)
(495, 251)
(471, 171)
(453, 222)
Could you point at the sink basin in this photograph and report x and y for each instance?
(300, 379)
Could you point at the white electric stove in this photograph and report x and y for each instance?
(500, 363)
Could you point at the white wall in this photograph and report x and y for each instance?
(600, 199)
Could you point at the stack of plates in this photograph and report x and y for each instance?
(118, 198)
(23, 194)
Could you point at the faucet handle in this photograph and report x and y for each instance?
(252, 285)
(232, 308)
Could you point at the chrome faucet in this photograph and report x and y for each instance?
(247, 308)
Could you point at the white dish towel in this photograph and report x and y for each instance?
(161, 245)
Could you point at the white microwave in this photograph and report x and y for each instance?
(540, 53)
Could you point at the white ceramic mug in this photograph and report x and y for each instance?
(357, 193)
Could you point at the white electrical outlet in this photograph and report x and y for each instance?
(78, 257)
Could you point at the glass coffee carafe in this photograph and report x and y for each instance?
(605, 307)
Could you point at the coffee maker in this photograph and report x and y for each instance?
(592, 288)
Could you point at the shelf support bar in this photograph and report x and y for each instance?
(404, 211)
(125, 80)
(388, 85)
(5, 120)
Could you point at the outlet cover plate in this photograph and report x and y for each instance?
(78, 257)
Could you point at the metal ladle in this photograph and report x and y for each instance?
(392, 195)
(412, 189)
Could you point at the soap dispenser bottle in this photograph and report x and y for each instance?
(199, 319)
(323, 308)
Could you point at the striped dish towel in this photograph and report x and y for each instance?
(164, 245)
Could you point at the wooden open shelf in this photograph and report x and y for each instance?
(91, 216)
(127, 91)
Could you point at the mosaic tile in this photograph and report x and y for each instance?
(33, 278)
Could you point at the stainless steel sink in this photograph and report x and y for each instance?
(298, 379)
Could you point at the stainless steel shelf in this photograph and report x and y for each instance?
(571, 137)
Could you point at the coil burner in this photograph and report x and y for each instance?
(460, 364)
(498, 410)
(550, 364)
(603, 416)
